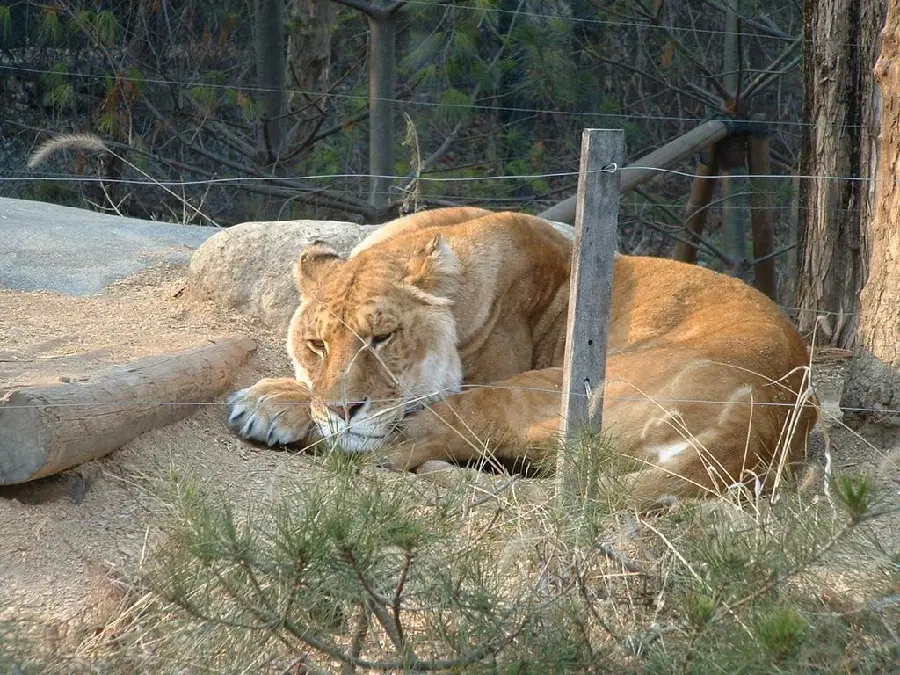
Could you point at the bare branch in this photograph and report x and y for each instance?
(344, 202)
(374, 11)
(398, 4)
(476, 91)
(760, 23)
(231, 139)
(674, 218)
(398, 591)
(358, 637)
(770, 70)
(699, 94)
(365, 7)
(335, 129)
(765, 80)
(684, 51)
(694, 240)
(379, 605)
(775, 253)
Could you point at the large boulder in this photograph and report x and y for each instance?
(250, 267)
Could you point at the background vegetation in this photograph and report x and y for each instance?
(357, 569)
(485, 89)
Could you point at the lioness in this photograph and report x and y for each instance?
(391, 345)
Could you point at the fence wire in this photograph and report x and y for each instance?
(324, 95)
(445, 396)
(424, 179)
(250, 180)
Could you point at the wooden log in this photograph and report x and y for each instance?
(46, 429)
(634, 175)
(697, 210)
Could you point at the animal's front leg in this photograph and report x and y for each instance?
(515, 420)
(274, 411)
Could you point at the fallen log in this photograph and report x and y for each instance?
(647, 166)
(45, 429)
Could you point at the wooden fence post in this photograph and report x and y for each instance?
(735, 189)
(590, 295)
(760, 164)
(697, 210)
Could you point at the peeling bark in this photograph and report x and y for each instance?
(873, 380)
(841, 106)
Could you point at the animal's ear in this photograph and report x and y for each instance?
(434, 270)
(313, 263)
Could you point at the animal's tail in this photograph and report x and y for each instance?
(83, 141)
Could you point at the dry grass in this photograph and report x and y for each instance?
(362, 569)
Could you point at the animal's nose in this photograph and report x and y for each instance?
(345, 411)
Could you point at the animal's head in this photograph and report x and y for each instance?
(374, 337)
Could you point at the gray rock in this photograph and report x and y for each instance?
(78, 252)
(250, 267)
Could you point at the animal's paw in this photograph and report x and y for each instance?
(411, 455)
(274, 411)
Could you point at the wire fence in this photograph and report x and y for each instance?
(397, 190)
(475, 105)
(611, 23)
(424, 178)
(767, 30)
(412, 102)
(406, 185)
(439, 395)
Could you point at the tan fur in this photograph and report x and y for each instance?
(702, 369)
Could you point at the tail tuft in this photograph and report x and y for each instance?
(83, 141)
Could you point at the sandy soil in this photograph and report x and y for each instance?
(64, 539)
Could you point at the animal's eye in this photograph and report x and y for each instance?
(378, 340)
(316, 346)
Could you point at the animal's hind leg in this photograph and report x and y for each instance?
(513, 421)
(701, 428)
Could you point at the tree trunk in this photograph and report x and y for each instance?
(873, 380)
(382, 83)
(841, 43)
(270, 76)
(310, 25)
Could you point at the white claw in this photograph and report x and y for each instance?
(241, 393)
(248, 427)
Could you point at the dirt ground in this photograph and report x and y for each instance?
(63, 539)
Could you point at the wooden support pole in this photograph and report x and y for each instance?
(44, 430)
(732, 156)
(731, 55)
(634, 175)
(590, 295)
(697, 211)
(759, 163)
